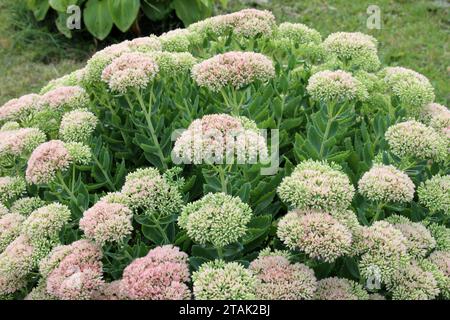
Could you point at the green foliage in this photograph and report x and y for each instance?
(99, 16)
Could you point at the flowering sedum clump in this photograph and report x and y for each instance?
(354, 49)
(106, 222)
(130, 70)
(435, 194)
(77, 125)
(340, 289)
(282, 280)
(218, 219)
(27, 205)
(220, 161)
(416, 140)
(316, 233)
(219, 139)
(235, 69)
(149, 192)
(411, 88)
(46, 160)
(386, 184)
(336, 86)
(317, 185)
(10, 227)
(160, 275)
(219, 280)
(11, 188)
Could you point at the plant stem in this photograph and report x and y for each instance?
(68, 191)
(378, 212)
(150, 125)
(223, 179)
(220, 252)
(105, 174)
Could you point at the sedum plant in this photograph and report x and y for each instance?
(238, 158)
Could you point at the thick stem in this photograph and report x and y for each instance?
(68, 191)
(378, 211)
(150, 126)
(105, 174)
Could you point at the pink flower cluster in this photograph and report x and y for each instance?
(130, 70)
(46, 160)
(78, 276)
(65, 97)
(248, 23)
(21, 141)
(106, 222)
(281, 280)
(237, 69)
(15, 264)
(160, 275)
(15, 108)
(217, 138)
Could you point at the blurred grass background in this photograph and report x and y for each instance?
(413, 34)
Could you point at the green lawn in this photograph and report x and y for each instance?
(413, 34)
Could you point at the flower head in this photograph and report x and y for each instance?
(9, 126)
(419, 239)
(386, 184)
(20, 142)
(218, 219)
(384, 250)
(92, 75)
(46, 160)
(16, 261)
(356, 49)
(160, 275)
(17, 109)
(338, 86)
(106, 222)
(340, 289)
(317, 185)
(11, 188)
(219, 280)
(434, 194)
(173, 63)
(220, 138)
(316, 233)
(298, 33)
(45, 223)
(236, 69)
(145, 44)
(76, 273)
(177, 40)
(441, 234)
(130, 70)
(412, 89)
(436, 116)
(442, 260)
(413, 283)
(65, 98)
(79, 153)
(416, 140)
(71, 79)
(247, 23)
(77, 125)
(10, 227)
(281, 280)
(149, 192)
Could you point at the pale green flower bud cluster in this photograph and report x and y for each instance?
(219, 280)
(434, 194)
(217, 219)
